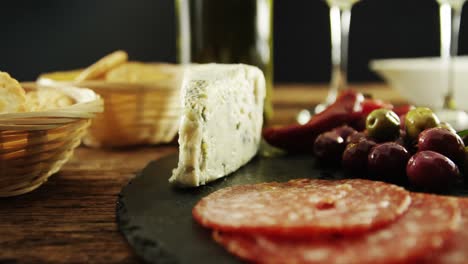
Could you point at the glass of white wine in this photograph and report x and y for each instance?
(340, 20)
(450, 16)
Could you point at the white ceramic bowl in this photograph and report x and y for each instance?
(423, 81)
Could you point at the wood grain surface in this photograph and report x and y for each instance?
(71, 218)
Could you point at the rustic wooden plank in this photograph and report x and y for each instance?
(71, 219)
(304, 95)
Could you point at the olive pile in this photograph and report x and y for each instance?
(415, 148)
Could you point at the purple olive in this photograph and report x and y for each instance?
(432, 171)
(356, 137)
(444, 142)
(355, 156)
(329, 147)
(401, 140)
(345, 131)
(388, 161)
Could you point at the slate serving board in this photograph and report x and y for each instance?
(156, 218)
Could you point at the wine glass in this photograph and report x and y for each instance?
(340, 20)
(450, 16)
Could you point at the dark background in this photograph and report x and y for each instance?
(47, 35)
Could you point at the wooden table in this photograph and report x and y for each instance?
(71, 218)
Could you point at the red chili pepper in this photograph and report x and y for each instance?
(370, 105)
(347, 109)
(402, 110)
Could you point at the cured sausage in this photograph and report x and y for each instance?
(456, 250)
(430, 221)
(303, 207)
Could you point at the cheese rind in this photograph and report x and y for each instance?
(220, 127)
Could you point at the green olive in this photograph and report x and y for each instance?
(447, 126)
(383, 125)
(418, 120)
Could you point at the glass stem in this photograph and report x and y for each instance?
(449, 30)
(340, 20)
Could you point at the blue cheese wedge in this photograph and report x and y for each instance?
(221, 122)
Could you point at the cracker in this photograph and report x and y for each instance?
(138, 72)
(47, 99)
(12, 95)
(102, 66)
(61, 75)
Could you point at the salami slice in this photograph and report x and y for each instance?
(304, 206)
(456, 250)
(426, 226)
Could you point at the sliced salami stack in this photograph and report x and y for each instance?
(345, 221)
(455, 250)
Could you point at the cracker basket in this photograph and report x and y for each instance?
(35, 145)
(135, 113)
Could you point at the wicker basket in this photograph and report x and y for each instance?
(35, 145)
(135, 113)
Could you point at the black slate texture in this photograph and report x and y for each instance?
(156, 218)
